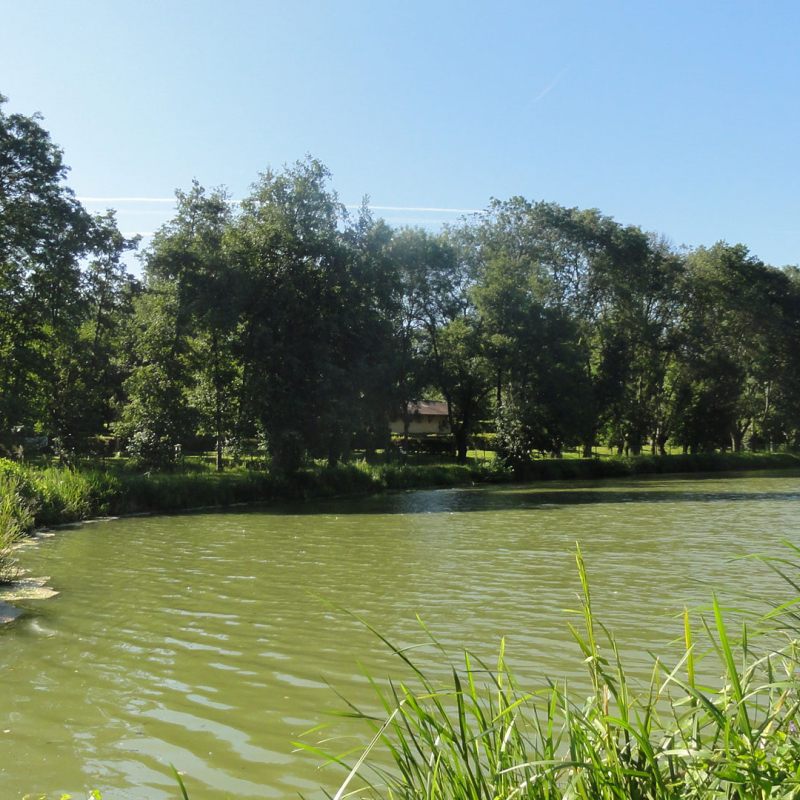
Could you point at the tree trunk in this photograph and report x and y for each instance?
(461, 446)
(406, 424)
(217, 401)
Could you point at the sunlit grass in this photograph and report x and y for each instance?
(481, 735)
(16, 519)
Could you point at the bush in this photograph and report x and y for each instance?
(66, 496)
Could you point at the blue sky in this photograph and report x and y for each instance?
(681, 117)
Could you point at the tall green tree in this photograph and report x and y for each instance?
(157, 416)
(423, 265)
(447, 331)
(311, 315)
(83, 384)
(190, 253)
(45, 237)
(738, 332)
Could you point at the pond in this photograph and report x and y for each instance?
(209, 640)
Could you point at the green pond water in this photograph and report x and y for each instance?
(208, 640)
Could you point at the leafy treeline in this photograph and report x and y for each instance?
(286, 320)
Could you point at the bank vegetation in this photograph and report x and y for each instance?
(33, 496)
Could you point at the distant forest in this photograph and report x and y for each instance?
(287, 322)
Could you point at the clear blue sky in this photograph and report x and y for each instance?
(681, 117)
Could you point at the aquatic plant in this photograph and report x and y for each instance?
(482, 736)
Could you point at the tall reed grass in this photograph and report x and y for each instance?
(16, 519)
(481, 736)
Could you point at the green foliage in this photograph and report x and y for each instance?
(392, 476)
(53, 315)
(157, 416)
(69, 496)
(286, 320)
(736, 352)
(54, 496)
(313, 315)
(21, 476)
(16, 519)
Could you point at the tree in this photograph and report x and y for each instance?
(541, 385)
(740, 326)
(313, 315)
(83, 384)
(189, 252)
(421, 264)
(45, 235)
(157, 415)
(638, 322)
(443, 336)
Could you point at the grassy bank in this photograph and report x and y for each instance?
(57, 496)
(31, 497)
(621, 466)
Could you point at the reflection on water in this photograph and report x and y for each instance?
(208, 640)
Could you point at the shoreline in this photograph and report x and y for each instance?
(106, 495)
(125, 496)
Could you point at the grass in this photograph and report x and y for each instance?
(16, 519)
(620, 466)
(482, 736)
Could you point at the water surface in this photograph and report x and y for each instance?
(207, 640)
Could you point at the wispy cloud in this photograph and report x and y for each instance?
(547, 89)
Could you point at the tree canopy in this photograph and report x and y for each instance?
(287, 323)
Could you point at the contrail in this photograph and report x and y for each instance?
(236, 202)
(547, 88)
(126, 199)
